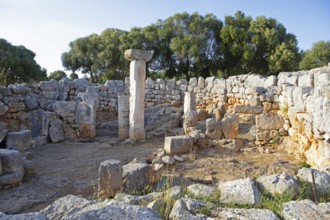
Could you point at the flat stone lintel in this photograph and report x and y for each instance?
(135, 54)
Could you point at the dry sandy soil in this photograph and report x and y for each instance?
(72, 168)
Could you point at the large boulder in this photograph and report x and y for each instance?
(305, 209)
(241, 191)
(184, 209)
(276, 183)
(246, 214)
(213, 129)
(178, 144)
(322, 179)
(19, 140)
(230, 126)
(202, 191)
(269, 121)
(110, 178)
(136, 176)
(27, 216)
(116, 210)
(12, 167)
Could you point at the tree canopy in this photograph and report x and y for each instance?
(57, 75)
(17, 65)
(318, 56)
(189, 45)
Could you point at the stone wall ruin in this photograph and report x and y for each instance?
(292, 108)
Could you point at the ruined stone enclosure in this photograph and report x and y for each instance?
(246, 113)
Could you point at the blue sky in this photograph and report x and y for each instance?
(48, 26)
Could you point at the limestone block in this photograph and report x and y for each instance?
(26, 216)
(213, 129)
(247, 131)
(269, 121)
(263, 136)
(83, 114)
(12, 167)
(247, 118)
(135, 54)
(298, 95)
(305, 209)
(322, 179)
(230, 126)
(193, 82)
(110, 178)
(306, 80)
(66, 109)
(123, 116)
(19, 140)
(3, 108)
(31, 102)
(241, 213)
(189, 102)
(178, 144)
(322, 79)
(270, 81)
(136, 177)
(254, 80)
(242, 191)
(287, 78)
(56, 132)
(39, 123)
(201, 190)
(245, 109)
(280, 184)
(201, 83)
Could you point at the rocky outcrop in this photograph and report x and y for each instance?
(305, 209)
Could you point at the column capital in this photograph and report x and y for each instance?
(135, 54)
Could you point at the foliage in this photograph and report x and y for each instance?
(189, 45)
(73, 76)
(57, 75)
(17, 65)
(256, 46)
(275, 202)
(318, 56)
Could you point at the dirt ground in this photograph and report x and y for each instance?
(72, 168)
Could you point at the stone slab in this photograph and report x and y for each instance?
(178, 144)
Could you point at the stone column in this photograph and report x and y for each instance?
(123, 116)
(138, 60)
(189, 112)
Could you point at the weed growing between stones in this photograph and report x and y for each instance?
(275, 202)
(167, 200)
(304, 164)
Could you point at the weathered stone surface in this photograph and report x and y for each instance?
(213, 129)
(201, 190)
(189, 102)
(116, 210)
(322, 179)
(134, 54)
(68, 205)
(12, 167)
(178, 144)
(299, 96)
(183, 207)
(123, 116)
(19, 140)
(65, 109)
(136, 176)
(278, 184)
(137, 96)
(305, 209)
(27, 216)
(242, 191)
(246, 214)
(56, 132)
(110, 178)
(269, 121)
(138, 200)
(245, 109)
(229, 125)
(3, 108)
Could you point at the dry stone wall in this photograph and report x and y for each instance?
(292, 108)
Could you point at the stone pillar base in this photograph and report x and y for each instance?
(123, 133)
(137, 133)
